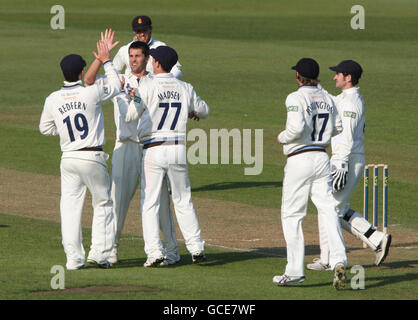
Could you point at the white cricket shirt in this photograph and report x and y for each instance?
(164, 104)
(312, 119)
(350, 105)
(75, 114)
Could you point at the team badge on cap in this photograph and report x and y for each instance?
(141, 23)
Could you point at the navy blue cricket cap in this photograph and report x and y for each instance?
(166, 56)
(307, 67)
(141, 23)
(72, 65)
(349, 67)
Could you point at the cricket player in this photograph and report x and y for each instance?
(127, 154)
(312, 120)
(347, 165)
(142, 28)
(164, 105)
(74, 113)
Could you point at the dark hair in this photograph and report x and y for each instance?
(71, 76)
(140, 45)
(307, 81)
(354, 80)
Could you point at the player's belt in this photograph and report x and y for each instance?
(91, 149)
(305, 150)
(159, 143)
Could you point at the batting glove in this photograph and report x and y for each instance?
(339, 171)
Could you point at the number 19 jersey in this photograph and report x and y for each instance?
(312, 119)
(75, 114)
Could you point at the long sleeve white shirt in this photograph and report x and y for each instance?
(350, 105)
(163, 105)
(312, 119)
(75, 114)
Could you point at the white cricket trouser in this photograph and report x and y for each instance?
(308, 174)
(81, 170)
(356, 165)
(126, 170)
(158, 162)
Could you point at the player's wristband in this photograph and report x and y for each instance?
(107, 61)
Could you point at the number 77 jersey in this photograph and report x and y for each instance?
(163, 103)
(312, 119)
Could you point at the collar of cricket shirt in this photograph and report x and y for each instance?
(71, 85)
(308, 87)
(164, 75)
(351, 90)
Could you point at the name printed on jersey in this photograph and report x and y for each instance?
(169, 95)
(315, 105)
(74, 105)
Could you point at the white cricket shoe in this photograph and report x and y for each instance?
(171, 258)
(113, 257)
(153, 262)
(102, 264)
(318, 265)
(383, 249)
(285, 279)
(94, 259)
(198, 257)
(339, 276)
(82, 266)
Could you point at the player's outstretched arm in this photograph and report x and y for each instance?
(107, 37)
(90, 76)
(113, 86)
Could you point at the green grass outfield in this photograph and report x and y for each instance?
(237, 54)
(226, 275)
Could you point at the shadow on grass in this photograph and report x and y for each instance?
(238, 185)
(223, 258)
(390, 280)
(396, 265)
(212, 259)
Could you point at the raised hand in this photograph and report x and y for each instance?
(107, 37)
(103, 52)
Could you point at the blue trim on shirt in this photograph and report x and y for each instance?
(309, 148)
(72, 87)
(162, 140)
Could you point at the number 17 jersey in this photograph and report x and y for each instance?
(312, 119)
